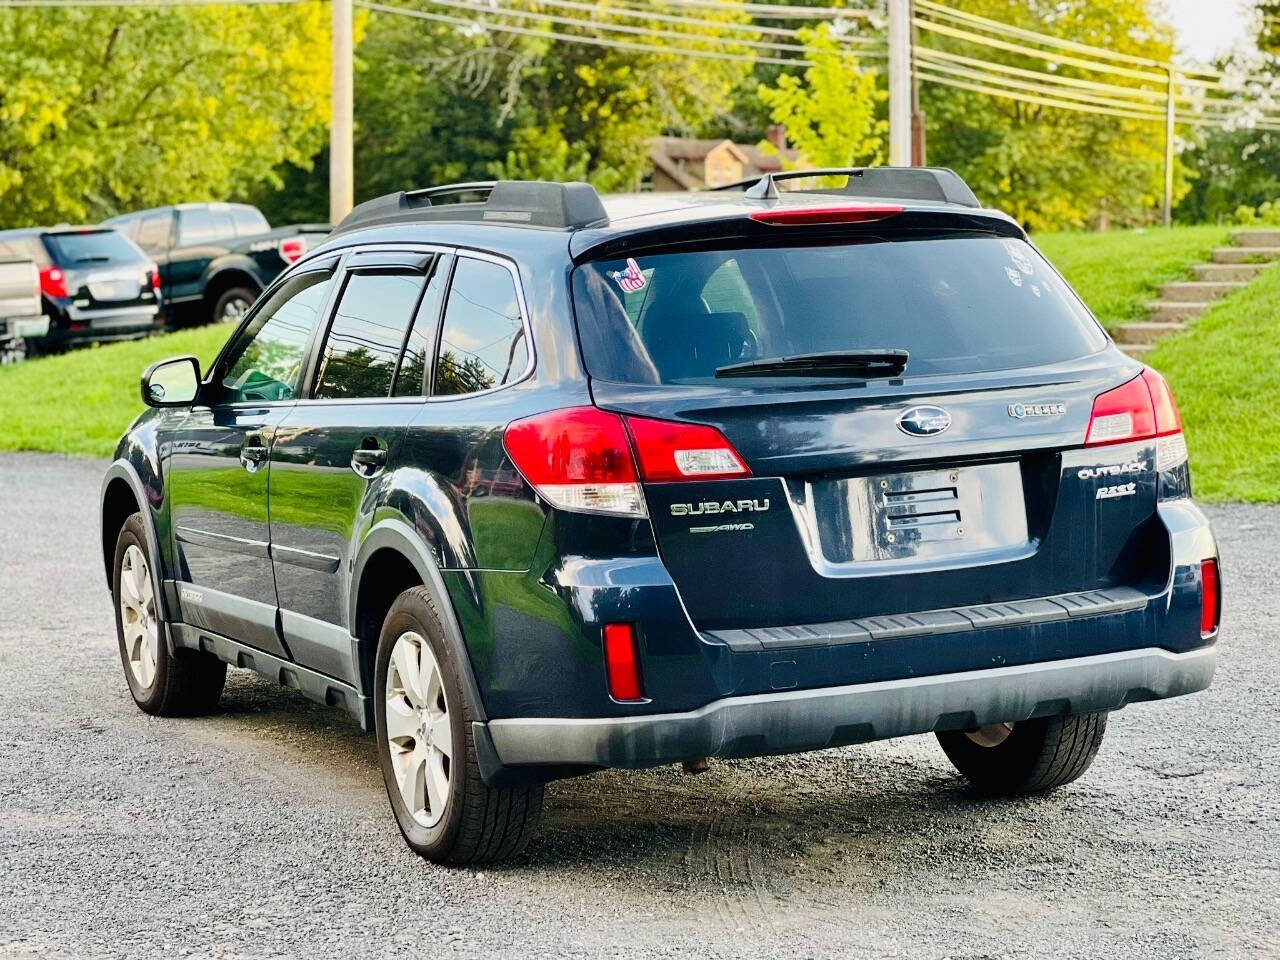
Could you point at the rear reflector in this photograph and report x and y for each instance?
(669, 451)
(809, 216)
(621, 665)
(577, 459)
(1209, 597)
(1140, 409)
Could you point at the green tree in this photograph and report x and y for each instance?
(104, 110)
(1051, 167)
(831, 113)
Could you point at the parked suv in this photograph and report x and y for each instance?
(95, 284)
(215, 258)
(535, 484)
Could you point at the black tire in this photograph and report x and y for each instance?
(231, 304)
(479, 824)
(1035, 755)
(185, 682)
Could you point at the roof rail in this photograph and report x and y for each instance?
(888, 183)
(534, 203)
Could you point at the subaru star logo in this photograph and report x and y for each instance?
(924, 421)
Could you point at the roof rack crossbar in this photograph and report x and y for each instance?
(534, 203)
(896, 183)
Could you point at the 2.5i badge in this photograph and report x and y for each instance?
(1111, 491)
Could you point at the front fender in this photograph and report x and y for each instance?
(239, 262)
(139, 468)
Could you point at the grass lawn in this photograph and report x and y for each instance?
(81, 401)
(1225, 374)
(1116, 273)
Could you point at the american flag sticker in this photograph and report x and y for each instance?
(630, 279)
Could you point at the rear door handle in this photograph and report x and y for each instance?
(370, 458)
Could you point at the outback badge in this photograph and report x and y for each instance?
(1020, 411)
(926, 421)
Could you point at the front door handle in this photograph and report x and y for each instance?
(252, 457)
(370, 458)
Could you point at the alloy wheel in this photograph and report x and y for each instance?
(138, 616)
(233, 310)
(419, 731)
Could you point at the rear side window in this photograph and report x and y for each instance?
(367, 334)
(416, 362)
(201, 225)
(958, 303)
(248, 221)
(99, 246)
(482, 340)
(153, 231)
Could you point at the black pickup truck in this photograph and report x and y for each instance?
(214, 258)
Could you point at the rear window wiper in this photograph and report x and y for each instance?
(91, 259)
(833, 363)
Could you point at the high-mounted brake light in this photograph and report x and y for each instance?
(1141, 409)
(621, 664)
(682, 451)
(292, 248)
(577, 459)
(53, 282)
(809, 216)
(1210, 597)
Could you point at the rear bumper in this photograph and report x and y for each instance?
(15, 327)
(796, 720)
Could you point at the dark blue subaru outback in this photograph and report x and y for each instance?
(534, 484)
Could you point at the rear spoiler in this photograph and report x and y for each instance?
(935, 184)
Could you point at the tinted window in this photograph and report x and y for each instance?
(266, 360)
(416, 362)
(368, 331)
(482, 341)
(102, 246)
(195, 226)
(153, 231)
(957, 303)
(249, 221)
(223, 227)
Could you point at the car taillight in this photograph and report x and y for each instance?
(585, 459)
(53, 282)
(292, 248)
(621, 664)
(1141, 409)
(809, 216)
(1210, 597)
(681, 451)
(154, 275)
(577, 459)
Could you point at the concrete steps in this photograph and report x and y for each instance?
(1228, 272)
(1199, 291)
(1246, 254)
(1168, 311)
(1255, 238)
(1147, 331)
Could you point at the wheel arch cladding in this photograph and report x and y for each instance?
(392, 559)
(223, 277)
(124, 494)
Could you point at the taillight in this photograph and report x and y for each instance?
(621, 664)
(577, 459)
(291, 249)
(1210, 597)
(1141, 409)
(584, 459)
(682, 451)
(53, 282)
(810, 216)
(154, 275)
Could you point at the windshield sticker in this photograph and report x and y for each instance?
(1018, 256)
(630, 279)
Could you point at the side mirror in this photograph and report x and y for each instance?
(171, 383)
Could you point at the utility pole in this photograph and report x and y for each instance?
(342, 122)
(899, 83)
(1170, 116)
(919, 154)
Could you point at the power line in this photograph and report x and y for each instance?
(127, 4)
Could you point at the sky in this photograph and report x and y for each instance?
(1207, 27)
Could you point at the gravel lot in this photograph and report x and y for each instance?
(264, 830)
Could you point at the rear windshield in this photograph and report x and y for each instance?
(957, 303)
(102, 246)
